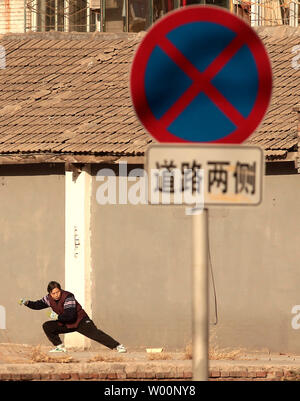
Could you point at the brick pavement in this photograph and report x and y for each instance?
(136, 365)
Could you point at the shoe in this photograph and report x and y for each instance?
(121, 348)
(59, 348)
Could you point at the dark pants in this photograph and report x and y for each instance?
(86, 327)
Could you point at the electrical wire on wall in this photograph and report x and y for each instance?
(212, 276)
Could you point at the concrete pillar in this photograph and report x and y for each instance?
(254, 14)
(77, 243)
(294, 11)
(43, 15)
(34, 16)
(88, 13)
(66, 15)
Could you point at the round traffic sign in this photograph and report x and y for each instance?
(201, 74)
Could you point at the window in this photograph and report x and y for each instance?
(139, 15)
(162, 7)
(77, 16)
(50, 15)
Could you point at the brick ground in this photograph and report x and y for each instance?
(166, 372)
(137, 366)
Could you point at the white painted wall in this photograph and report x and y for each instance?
(77, 247)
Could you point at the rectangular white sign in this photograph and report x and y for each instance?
(202, 175)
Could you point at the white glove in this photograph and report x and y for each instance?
(53, 315)
(23, 301)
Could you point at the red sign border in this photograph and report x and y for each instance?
(200, 14)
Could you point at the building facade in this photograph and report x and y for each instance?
(127, 15)
(130, 264)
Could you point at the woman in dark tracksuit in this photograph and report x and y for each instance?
(68, 316)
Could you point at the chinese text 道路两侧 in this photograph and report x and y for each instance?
(188, 176)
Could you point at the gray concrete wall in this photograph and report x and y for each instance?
(31, 243)
(142, 275)
(141, 262)
(255, 257)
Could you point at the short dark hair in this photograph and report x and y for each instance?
(52, 285)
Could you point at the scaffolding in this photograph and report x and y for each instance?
(268, 12)
(138, 15)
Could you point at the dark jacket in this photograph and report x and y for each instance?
(58, 307)
(68, 309)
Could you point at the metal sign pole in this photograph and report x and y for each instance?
(200, 295)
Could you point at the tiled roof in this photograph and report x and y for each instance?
(68, 95)
(277, 133)
(64, 93)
